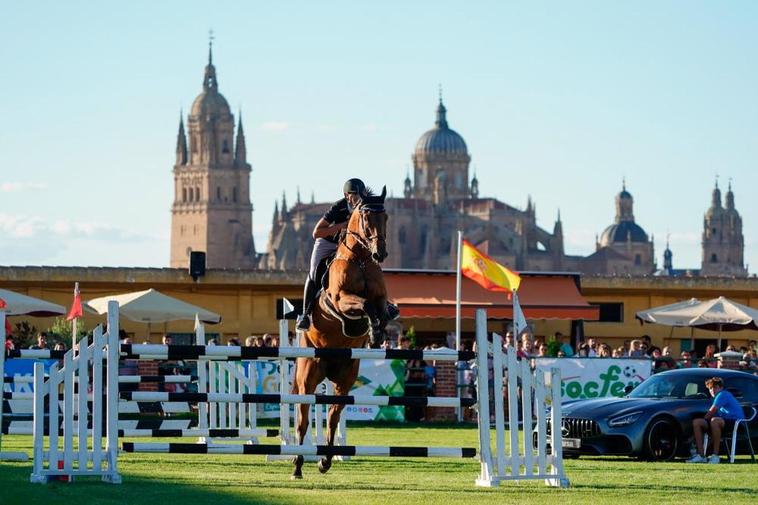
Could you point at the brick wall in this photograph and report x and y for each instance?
(145, 367)
(446, 386)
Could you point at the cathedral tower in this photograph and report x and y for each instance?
(723, 243)
(441, 162)
(211, 211)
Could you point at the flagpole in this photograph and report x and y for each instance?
(73, 322)
(458, 294)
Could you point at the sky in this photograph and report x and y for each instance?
(557, 100)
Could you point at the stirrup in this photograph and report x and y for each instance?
(303, 322)
(393, 312)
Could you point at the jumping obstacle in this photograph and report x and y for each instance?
(520, 459)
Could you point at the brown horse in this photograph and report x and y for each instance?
(350, 312)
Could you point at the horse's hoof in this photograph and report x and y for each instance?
(324, 466)
(297, 477)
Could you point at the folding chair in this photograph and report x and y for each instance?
(750, 414)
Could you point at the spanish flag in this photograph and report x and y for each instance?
(485, 271)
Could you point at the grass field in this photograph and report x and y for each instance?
(186, 479)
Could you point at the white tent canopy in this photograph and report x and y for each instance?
(17, 305)
(719, 314)
(152, 306)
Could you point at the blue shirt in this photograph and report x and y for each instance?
(728, 406)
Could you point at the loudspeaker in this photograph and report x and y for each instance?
(197, 264)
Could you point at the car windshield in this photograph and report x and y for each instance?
(671, 386)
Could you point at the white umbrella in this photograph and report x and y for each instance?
(17, 305)
(719, 314)
(153, 307)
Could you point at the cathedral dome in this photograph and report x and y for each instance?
(210, 102)
(618, 233)
(441, 139)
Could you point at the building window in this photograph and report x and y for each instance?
(714, 258)
(610, 312)
(225, 147)
(637, 259)
(184, 194)
(197, 193)
(401, 235)
(234, 194)
(218, 193)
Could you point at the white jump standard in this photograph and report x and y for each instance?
(100, 426)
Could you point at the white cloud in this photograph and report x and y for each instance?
(275, 126)
(13, 187)
(26, 227)
(369, 127)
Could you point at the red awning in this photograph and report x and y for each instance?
(432, 294)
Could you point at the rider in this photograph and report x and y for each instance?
(327, 233)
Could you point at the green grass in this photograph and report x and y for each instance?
(185, 479)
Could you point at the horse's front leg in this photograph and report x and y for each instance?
(351, 305)
(377, 313)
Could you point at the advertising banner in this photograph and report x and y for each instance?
(375, 378)
(597, 377)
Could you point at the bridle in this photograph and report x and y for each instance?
(362, 237)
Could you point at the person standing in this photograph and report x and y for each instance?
(724, 411)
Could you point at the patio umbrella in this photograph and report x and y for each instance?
(719, 314)
(151, 306)
(17, 304)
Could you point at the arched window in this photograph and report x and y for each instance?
(218, 193)
(234, 194)
(197, 193)
(225, 147)
(637, 259)
(184, 194)
(714, 258)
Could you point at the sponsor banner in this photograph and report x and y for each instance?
(24, 368)
(375, 378)
(597, 377)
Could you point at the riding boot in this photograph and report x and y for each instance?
(309, 294)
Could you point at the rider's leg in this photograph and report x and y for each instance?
(321, 249)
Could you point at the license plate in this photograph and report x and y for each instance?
(571, 443)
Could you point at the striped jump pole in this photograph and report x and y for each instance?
(304, 450)
(406, 401)
(5, 455)
(232, 353)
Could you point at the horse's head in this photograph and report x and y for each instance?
(369, 224)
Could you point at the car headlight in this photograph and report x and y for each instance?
(624, 420)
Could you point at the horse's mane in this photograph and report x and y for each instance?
(372, 201)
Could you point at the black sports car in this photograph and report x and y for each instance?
(654, 420)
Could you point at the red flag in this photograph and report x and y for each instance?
(76, 307)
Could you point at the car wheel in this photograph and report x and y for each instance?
(661, 440)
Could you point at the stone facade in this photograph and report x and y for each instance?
(723, 242)
(211, 211)
(441, 199)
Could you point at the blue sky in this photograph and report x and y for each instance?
(557, 100)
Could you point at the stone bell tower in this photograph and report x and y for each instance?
(211, 211)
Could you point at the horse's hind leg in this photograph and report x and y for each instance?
(342, 384)
(307, 376)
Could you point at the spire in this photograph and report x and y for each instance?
(297, 200)
(209, 81)
(474, 187)
(407, 185)
(276, 213)
(730, 197)
(716, 195)
(313, 198)
(441, 121)
(558, 228)
(668, 264)
(240, 149)
(284, 204)
(181, 143)
(624, 204)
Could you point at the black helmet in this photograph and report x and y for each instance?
(354, 186)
